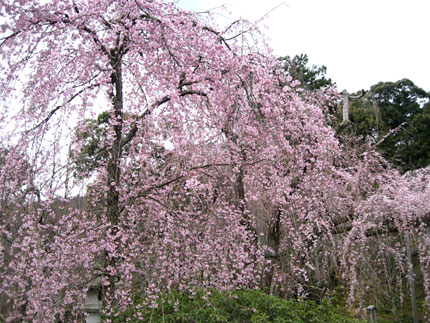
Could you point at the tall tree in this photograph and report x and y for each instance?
(165, 78)
(143, 58)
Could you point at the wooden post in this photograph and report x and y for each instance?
(411, 277)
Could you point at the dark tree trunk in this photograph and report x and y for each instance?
(273, 242)
(114, 174)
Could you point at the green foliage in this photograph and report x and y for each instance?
(227, 306)
(419, 147)
(91, 135)
(366, 119)
(381, 320)
(396, 114)
(311, 77)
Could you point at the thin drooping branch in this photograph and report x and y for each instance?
(58, 107)
(132, 132)
(6, 38)
(173, 180)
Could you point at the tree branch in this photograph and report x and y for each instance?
(166, 183)
(6, 38)
(97, 41)
(132, 133)
(53, 111)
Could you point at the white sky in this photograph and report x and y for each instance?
(361, 42)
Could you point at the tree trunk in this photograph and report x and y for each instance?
(273, 242)
(114, 172)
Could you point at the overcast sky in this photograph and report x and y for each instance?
(361, 42)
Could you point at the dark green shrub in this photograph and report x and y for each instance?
(231, 306)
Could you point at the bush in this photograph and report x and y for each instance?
(230, 306)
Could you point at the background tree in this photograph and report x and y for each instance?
(310, 77)
(395, 111)
(313, 85)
